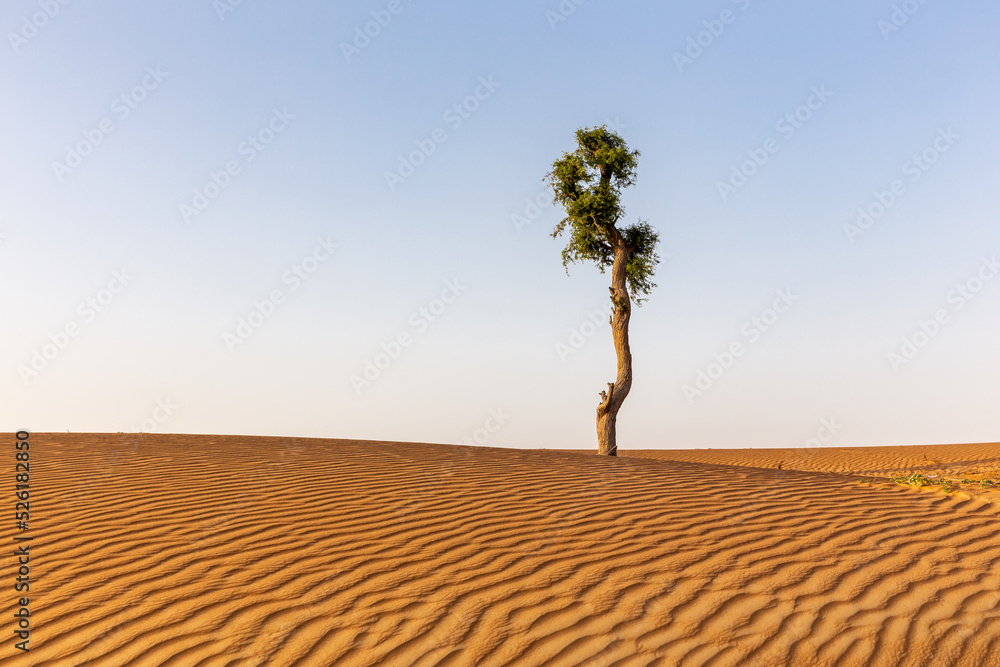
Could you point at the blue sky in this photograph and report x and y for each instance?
(186, 165)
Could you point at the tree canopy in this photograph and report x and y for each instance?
(588, 184)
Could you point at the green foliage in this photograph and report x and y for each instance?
(947, 485)
(643, 262)
(588, 184)
(915, 479)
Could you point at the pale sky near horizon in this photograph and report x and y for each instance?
(170, 168)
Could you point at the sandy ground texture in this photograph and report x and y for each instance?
(225, 550)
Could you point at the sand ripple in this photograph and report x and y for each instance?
(211, 550)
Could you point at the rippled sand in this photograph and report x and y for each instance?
(225, 550)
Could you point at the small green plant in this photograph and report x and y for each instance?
(916, 479)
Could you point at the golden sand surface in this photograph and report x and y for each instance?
(229, 550)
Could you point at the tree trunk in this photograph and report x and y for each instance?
(612, 399)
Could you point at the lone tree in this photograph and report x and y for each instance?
(588, 183)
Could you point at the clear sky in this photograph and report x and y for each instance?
(329, 220)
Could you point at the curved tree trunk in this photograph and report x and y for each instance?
(612, 399)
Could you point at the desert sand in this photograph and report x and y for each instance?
(228, 550)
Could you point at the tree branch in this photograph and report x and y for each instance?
(606, 397)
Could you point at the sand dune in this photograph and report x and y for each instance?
(977, 460)
(210, 550)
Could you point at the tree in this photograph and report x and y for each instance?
(588, 184)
